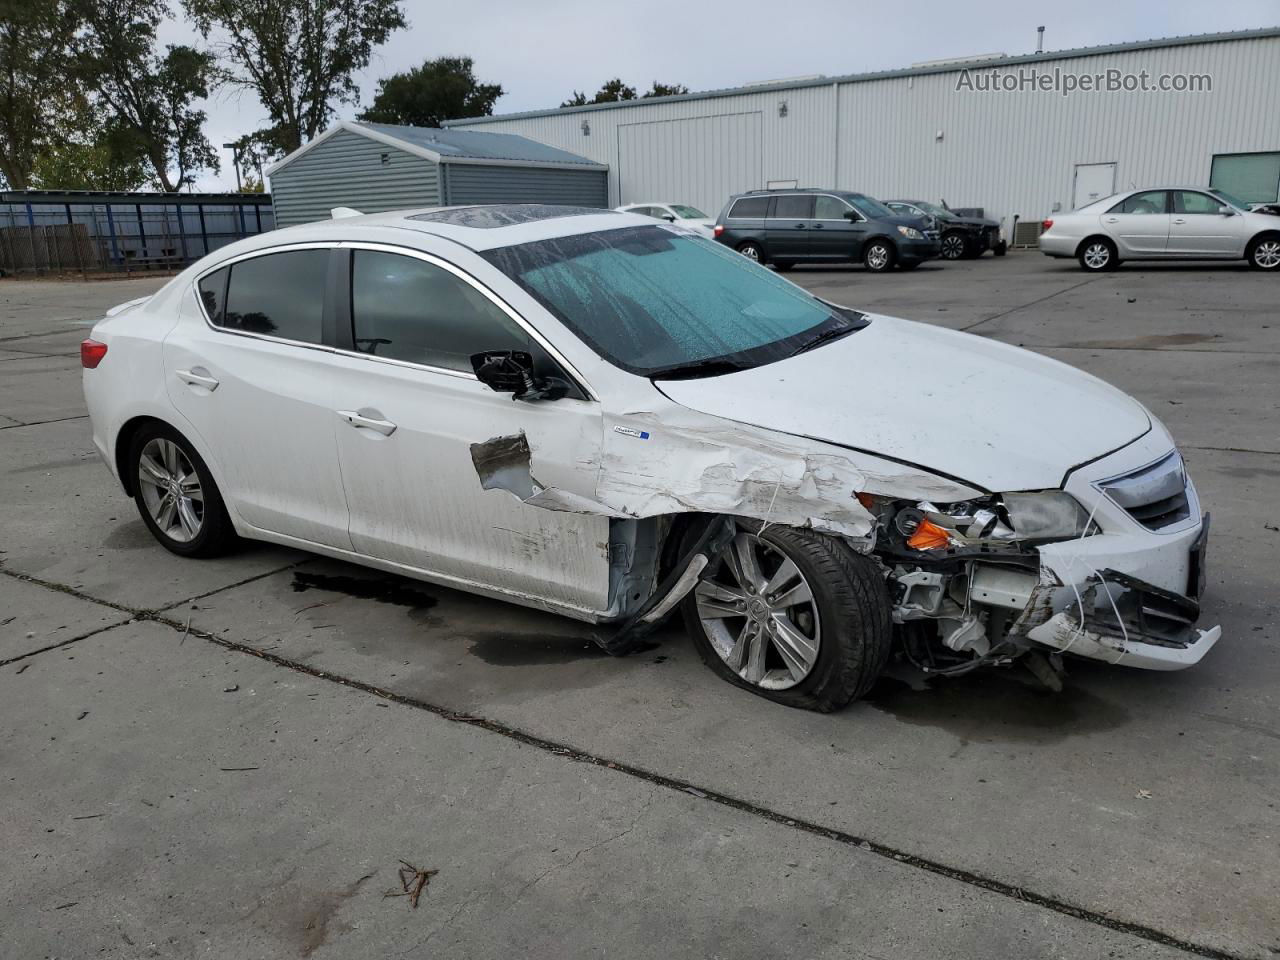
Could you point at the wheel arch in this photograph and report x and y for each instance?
(1096, 236)
(124, 439)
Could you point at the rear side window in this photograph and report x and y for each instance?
(279, 294)
(750, 207)
(791, 206)
(1152, 201)
(407, 309)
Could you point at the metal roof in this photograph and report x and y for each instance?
(143, 197)
(454, 146)
(953, 66)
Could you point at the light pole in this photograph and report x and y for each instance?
(235, 161)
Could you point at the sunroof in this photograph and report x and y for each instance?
(503, 214)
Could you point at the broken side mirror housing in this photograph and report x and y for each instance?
(511, 371)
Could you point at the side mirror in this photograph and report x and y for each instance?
(852, 216)
(511, 371)
(1227, 211)
(669, 217)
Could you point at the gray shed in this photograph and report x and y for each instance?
(374, 167)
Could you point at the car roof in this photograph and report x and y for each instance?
(477, 226)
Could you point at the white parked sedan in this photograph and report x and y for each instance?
(1164, 223)
(594, 414)
(680, 213)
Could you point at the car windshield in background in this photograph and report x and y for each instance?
(869, 208)
(660, 304)
(935, 210)
(688, 213)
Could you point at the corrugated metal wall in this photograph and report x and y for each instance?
(490, 183)
(725, 151)
(349, 170)
(1012, 153)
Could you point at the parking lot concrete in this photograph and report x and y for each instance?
(233, 756)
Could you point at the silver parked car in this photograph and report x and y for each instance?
(1164, 223)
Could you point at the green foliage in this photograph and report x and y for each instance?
(441, 89)
(36, 82)
(146, 95)
(299, 56)
(109, 162)
(615, 90)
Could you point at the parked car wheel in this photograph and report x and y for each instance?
(751, 250)
(954, 245)
(1098, 254)
(909, 265)
(879, 256)
(1001, 248)
(792, 615)
(782, 266)
(1264, 253)
(176, 495)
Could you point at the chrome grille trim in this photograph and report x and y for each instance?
(1156, 495)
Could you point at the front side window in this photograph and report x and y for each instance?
(408, 309)
(750, 207)
(1192, 201)
(278, 294)
(829, 208)
(1152, 201)
(661, 304)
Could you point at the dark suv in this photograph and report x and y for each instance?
(786, 227)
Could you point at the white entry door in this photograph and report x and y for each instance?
(1093, 181)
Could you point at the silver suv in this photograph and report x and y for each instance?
(1164, 223)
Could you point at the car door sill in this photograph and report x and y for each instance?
(440, 579)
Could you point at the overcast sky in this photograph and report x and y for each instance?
(542, 50)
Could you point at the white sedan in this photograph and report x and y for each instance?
(594, 414)
(680, 213)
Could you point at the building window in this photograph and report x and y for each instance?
(1253, 177)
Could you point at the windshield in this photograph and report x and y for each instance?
(935, 210)
(1234, 201)
(658, 303)
(688, 213)
(871, 209)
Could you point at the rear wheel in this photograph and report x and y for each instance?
(879, 256)
(1097, 254)
(1264, 253)
(954, 245)
(176, 495)
(782, 266)
(792, 615)
(751, 250)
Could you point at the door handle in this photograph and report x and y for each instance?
(198, 377)
(371, 420)
(799, 226)
(1179, 220)
(817, 226)
(1112, 219)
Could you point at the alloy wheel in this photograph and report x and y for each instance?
(759, 613)
(1097, 256)
(171, 490)
(953, 247)
(1267, 254)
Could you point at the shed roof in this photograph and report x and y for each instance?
(454, 146)
(932, 67)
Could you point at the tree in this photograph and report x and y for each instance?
(666, 90)
(616, 90)
(610, 92)
(146, 95)
(298, 56)
(442, 89)
(108, 162)
(35, 61)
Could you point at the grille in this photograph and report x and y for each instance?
(1156, 495)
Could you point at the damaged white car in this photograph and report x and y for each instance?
(593, 414)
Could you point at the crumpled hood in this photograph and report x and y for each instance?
(974, 409)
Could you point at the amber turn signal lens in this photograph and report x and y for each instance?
(929, 536)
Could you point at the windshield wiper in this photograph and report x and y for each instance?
(831, 333)
(713, 367)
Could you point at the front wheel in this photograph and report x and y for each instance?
(176, 495)
(1264, 253)
(792, 615)
(879, 256)
(954, 246)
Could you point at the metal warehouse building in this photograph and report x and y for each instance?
(929, 132)
(374, 167)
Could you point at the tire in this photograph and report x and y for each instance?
(197, 525)
(845, 615)
(751, 250)
(1001, 248)
(909, 264)
(1264, 253)
(955, 246)
(1097, 255)
(782, 266)
(879, 256)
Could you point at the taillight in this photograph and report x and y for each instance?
(91, 353)
(718, 229)
(1046, 224)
